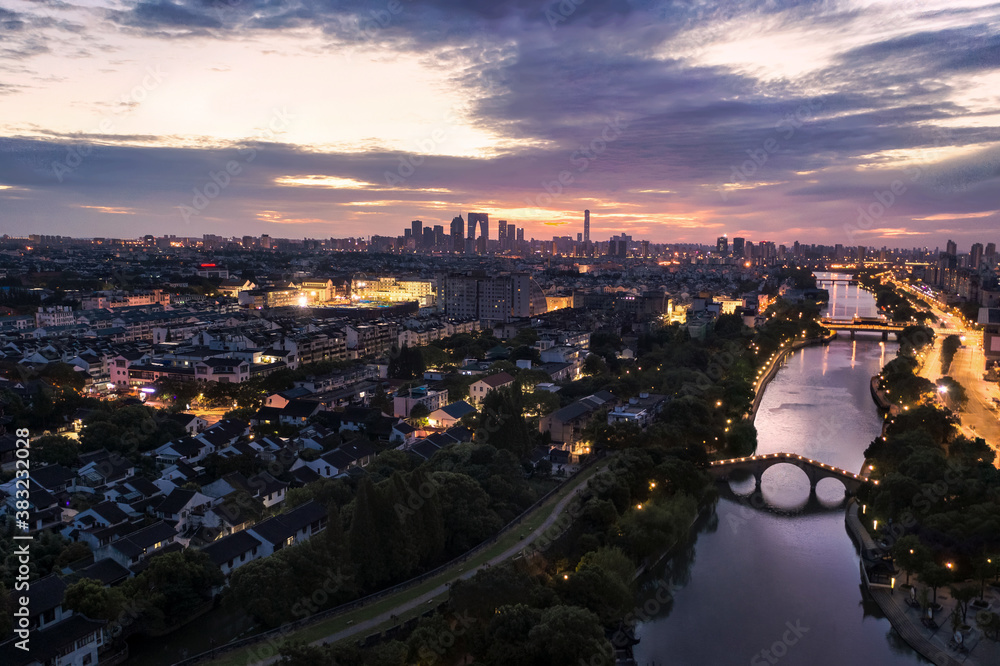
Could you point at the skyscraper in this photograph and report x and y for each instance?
(417, 229)
(738, 247)
(951, 248)
(481, 242)
(722, 246)
(502, 235)
(975, 255)
(586, 226)
(457, 234)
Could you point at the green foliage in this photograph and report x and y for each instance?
(406, 363)
(55, 449)
(949, 347)
(89, 597)
(173, 586)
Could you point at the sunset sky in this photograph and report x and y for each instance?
(672, 121)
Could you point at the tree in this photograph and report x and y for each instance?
(406, 363)
(56, 449)
(568, 635)
(72, 553)
(935, 576)
(910, 554)
(89, 597)
(175, 585)
(366, 544)
(949, 347)
(419, 413)
(963, 595)
(594, 365)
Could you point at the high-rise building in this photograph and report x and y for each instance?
(438, 236)
(493, 299)
(457, 234)
(479, 243)
(975, 255)
(586, 226)
(417, 230)
(990, 256)
(738, 247)
(502, 235)
(722, 246)
(951, 248)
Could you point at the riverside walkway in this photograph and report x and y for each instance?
(930, 643)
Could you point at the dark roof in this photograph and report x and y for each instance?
(404, 428)
(572, 411)
(110, 512)
(457, 410)
(175, 501)
(107, 571)
(499, 379)
(299, 409)
(279, 528)
(305, 475)
(143, 485)
(182, 418)
(52, 476)
(45, 594)
(137, 542)
(234, 545)
(425, 448)
(49, 642)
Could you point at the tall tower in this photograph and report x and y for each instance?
(417, 228)
(586, 226)
(480, 244)
(976, 255)
(457, 234)
(722, 246)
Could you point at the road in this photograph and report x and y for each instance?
(367, 626)
(980, 415)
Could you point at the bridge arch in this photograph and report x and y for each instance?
(814, 469)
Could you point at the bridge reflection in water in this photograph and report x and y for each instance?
(815, 470)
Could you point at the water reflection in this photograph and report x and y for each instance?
(782, 553)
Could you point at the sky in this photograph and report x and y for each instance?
(861, 122)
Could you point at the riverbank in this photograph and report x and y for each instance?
(775, 365)
(905, 620)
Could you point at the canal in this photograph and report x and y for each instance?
(777, 571)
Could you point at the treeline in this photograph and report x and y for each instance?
(564, 601)
(397, 521)
(937, 487)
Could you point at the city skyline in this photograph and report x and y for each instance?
(667, 123)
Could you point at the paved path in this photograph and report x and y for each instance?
(424, 599)
(931, 643)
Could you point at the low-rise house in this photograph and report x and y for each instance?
(483, 387)
(566, 425)
(404, 402)
(182, 507)
(138, 545)
(640, 411)
(233, 551)
(299, 524)
(449, 415)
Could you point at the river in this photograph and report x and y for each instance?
(778, 571)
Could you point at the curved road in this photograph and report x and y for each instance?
(423, 599)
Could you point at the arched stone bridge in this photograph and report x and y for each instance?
(815, 470)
